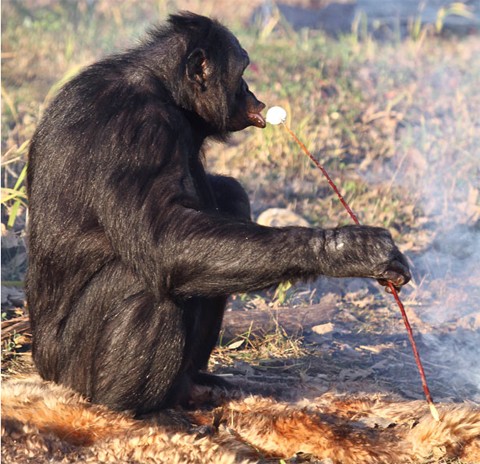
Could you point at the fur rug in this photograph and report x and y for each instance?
(43, 422)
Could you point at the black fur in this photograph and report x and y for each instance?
(134, 248)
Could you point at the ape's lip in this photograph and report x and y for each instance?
(257, 120)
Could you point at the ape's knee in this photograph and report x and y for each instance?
(230, 196)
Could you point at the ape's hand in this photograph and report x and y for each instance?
(363, 251)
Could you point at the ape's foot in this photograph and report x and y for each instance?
(211, 380)
(207, 390)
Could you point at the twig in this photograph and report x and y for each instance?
(15, 325)
(426, 390)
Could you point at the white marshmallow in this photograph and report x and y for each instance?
(276, 115)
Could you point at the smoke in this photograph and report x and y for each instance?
(451, 331)
(439, 159)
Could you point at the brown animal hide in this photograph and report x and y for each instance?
(43, 422)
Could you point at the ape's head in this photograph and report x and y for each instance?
(211, 73)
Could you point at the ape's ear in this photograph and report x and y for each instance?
(198, 67)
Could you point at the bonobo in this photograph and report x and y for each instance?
(134, 248)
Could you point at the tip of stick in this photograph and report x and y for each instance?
(434, 412)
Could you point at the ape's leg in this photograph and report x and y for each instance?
(230, 197)
(119, 345)
(231, 200)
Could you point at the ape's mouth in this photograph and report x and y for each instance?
(257, 120)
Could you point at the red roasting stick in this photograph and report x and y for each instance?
(428, 396)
